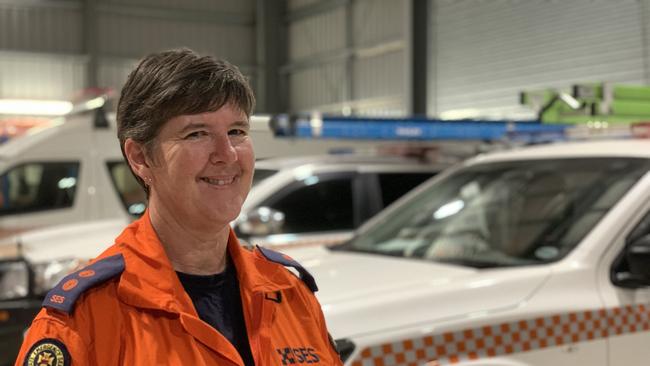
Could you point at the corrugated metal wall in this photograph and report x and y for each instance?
(376, 21)
(296, 4)
(324, 85)
(645, 29)
(317, 82)
(40, 48)
(486, 52)
(30, 27)
(379, 71)
(113, 71)
(347, 58)
(221, 6)
(40, 76)
(44, 44)
(317, 34)
(133, 36)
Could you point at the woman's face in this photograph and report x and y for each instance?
(201, 167)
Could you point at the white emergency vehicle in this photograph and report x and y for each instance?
(68, 171)
(72, 170)
(537, 256)
(322, 199)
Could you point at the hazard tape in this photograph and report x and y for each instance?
(507, 338)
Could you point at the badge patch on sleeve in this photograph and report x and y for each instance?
(47, 352)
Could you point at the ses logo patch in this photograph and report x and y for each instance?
(47, 352)
(294, 356)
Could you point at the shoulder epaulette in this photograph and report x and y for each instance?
(64, 295)
(287, 261)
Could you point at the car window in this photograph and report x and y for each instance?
(261, 174)
(317, 205)
(504, 214)
(395, 185)
(38, 186)
(130, 192)
(642, 229)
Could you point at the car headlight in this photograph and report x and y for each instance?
(48, 274)
(14, 279)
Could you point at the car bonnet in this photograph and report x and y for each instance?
(366, 293)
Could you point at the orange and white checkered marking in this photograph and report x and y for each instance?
(507, 338)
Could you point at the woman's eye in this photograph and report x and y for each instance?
(195, 134)
(238, 132)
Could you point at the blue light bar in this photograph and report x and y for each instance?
(426, 129)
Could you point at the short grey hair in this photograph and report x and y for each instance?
(172, 83)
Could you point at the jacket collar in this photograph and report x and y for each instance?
(149, 280)
(254, 272)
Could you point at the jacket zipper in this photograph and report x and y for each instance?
(263, 311)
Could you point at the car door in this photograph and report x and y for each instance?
(627, 306)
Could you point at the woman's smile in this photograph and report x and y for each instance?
(220, 181)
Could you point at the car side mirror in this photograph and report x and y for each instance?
(261, 221)
(637, 256)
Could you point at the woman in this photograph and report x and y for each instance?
(176, 288)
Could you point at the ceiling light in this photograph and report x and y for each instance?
(34, 107)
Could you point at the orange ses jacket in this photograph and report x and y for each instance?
(129, 308)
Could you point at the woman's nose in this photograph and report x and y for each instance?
(223, 152)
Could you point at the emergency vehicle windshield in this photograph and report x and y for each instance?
(503, 214)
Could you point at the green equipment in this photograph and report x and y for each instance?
(600, 103)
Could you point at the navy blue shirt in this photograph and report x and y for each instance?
(218, 303)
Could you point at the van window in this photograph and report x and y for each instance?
(131, 194)
(37, 186)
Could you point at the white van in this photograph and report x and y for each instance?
(538, 256)
(72, 170)
(69, 171)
